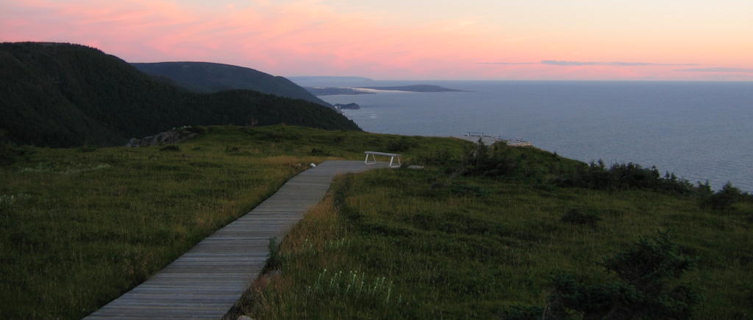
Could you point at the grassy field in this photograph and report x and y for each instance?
(430, 244)
(476, 234)
(78, 227)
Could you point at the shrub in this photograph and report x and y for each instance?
(493, 161)
(437, 157)
(624, 177)
(318, 152)
(644, 290)
(724, 198)
(401, 144)
(274, 260)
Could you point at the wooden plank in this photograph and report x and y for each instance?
(206, 281)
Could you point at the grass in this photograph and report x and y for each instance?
(484, 248)
(80, 226)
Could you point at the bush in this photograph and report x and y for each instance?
(437, 157)
(644, 290)
(401, 144)
(273, 260)
(724, 199)
(493, 161)
(171, 147)
(318, 152)
(624, 177)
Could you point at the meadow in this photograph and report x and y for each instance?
(516, 244)
(477, 233)
(80, 226)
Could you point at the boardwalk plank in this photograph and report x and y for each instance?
(206, 281)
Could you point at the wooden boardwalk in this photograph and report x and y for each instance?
(205, 282)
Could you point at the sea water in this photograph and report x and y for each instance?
(698, 130)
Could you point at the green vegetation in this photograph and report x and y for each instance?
(496, 234)
(642, 291)
(80, 226)
(212, 77)
(70, 95)
(480, 232)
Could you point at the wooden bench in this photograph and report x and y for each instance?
(375, 153)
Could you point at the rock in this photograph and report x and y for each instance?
(171, 136)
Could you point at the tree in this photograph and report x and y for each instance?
(725, 198)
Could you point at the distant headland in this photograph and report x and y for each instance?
(326, 91)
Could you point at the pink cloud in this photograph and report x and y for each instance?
(295, 38)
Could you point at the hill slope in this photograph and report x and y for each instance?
(63, 95)
(212, 77)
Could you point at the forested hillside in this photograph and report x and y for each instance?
(55, 94)
(212, 77)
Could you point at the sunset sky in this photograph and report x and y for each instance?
(412, 39)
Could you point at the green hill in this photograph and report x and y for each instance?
(56, 94)
(212, 77)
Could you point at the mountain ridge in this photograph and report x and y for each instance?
(62, 95)
(210, 77)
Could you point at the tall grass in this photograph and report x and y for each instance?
(80, 226)
(476, 247)
(310, 284)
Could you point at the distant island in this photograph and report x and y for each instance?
(326, 91)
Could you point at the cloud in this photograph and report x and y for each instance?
(732, 70)
(509, 63)
(609, 63)
(317, 37)
(282, 37)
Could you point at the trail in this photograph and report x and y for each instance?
(206, 281)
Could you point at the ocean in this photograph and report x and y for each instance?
(698, 130)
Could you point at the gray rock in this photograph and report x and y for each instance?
(174, 135)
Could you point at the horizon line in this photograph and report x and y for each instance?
(517, 80)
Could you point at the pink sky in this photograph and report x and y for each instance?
(419, 39)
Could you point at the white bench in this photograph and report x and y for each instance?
(375, 153)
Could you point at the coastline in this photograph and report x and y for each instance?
(489, 140)
(672, 126)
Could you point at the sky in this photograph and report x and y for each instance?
(695, 40)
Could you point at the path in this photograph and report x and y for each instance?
(205, 282)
